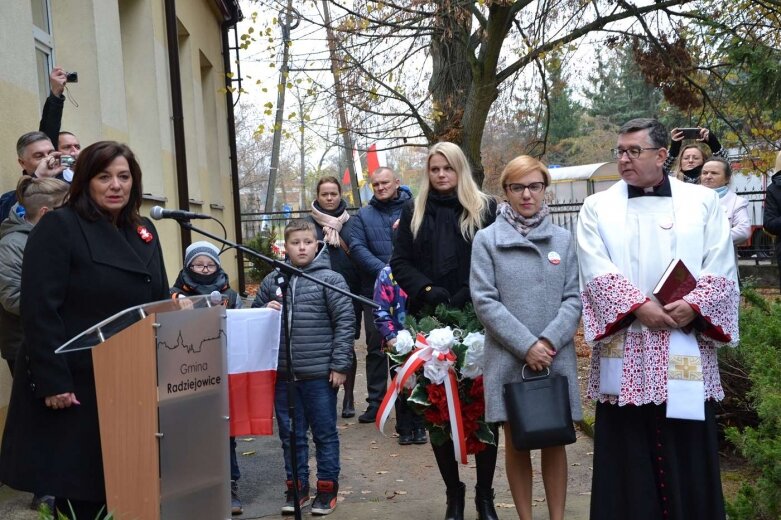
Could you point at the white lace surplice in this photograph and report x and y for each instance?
(624, 246)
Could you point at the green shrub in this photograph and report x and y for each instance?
(759, 355)
(263, 243)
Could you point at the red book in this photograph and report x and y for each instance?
(676, 282)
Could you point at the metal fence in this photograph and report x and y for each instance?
(253, 223)
(758, 249)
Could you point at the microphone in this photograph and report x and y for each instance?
(158, 213)
(215, 297)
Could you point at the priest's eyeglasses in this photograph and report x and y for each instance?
(633, 153)
(517, 187)
(203, 267)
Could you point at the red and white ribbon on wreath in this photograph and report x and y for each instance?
(422, 354)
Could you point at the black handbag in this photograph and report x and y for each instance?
(538, 411)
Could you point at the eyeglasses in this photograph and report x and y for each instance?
(633, 153)
(203, 267)
(517, 187)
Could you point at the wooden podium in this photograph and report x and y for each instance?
(162, 389)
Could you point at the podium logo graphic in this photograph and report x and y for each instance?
(190, 348)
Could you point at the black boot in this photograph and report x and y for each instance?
(455, 502)
(484, 502)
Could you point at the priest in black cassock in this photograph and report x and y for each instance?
(654, 371)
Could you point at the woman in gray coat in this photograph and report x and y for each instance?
(524, 284)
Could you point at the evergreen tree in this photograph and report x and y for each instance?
(619, 92)
(564, 110)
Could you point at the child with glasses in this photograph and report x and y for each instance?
(202, 274)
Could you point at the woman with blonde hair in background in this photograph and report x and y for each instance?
(686, 163)
(431, 262)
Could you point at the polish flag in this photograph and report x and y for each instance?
(358, 170)
(253, 347)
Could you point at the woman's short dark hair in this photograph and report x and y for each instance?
(92, 160)
(328, 179)
(725, 163)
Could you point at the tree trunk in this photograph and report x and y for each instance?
(464, 86)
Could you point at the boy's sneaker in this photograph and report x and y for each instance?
(236, 508)
(325, 500)
(303, 498)
(419, 436)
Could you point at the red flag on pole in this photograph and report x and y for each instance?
(372, 159)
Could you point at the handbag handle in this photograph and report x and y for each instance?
(533, 378)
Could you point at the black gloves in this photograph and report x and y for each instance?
(461, 298)
(434, 295)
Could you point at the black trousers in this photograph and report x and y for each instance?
(376, 361)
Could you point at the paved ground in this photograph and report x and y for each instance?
(380, 479)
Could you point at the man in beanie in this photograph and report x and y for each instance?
(772, 216)
(202, 274)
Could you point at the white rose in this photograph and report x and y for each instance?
(404, 342)
(474, 340)
(441, 340)
(473, 360)
(436, 370)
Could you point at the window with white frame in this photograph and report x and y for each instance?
(44, 45)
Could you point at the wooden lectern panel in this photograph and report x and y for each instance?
(126, 382)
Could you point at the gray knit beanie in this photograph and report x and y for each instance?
(201, 248)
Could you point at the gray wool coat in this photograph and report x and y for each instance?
(520, 295)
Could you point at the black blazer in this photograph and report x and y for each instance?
(75, 273)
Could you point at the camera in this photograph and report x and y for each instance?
(72, 77)
(67, 160)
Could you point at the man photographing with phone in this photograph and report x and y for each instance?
(51, 120)
(693, 155)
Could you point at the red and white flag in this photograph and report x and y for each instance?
(253, 347)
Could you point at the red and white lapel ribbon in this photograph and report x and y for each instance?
(420, 355)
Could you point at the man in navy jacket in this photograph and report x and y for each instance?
(370, 249)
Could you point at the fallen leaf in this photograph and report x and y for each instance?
(248, 439)
(575, 464)
(247, 453)
(399, 480)
(381, 472)
(539, 499)
(502, 505)
(345, 492)
(364, 492)
(394, 454)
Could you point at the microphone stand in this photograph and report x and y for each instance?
(286, 272)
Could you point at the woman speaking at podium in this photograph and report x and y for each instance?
(83, 263)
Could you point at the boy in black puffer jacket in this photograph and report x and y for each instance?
(321, 341)
(203, 274)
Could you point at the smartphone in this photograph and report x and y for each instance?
(690, 133)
